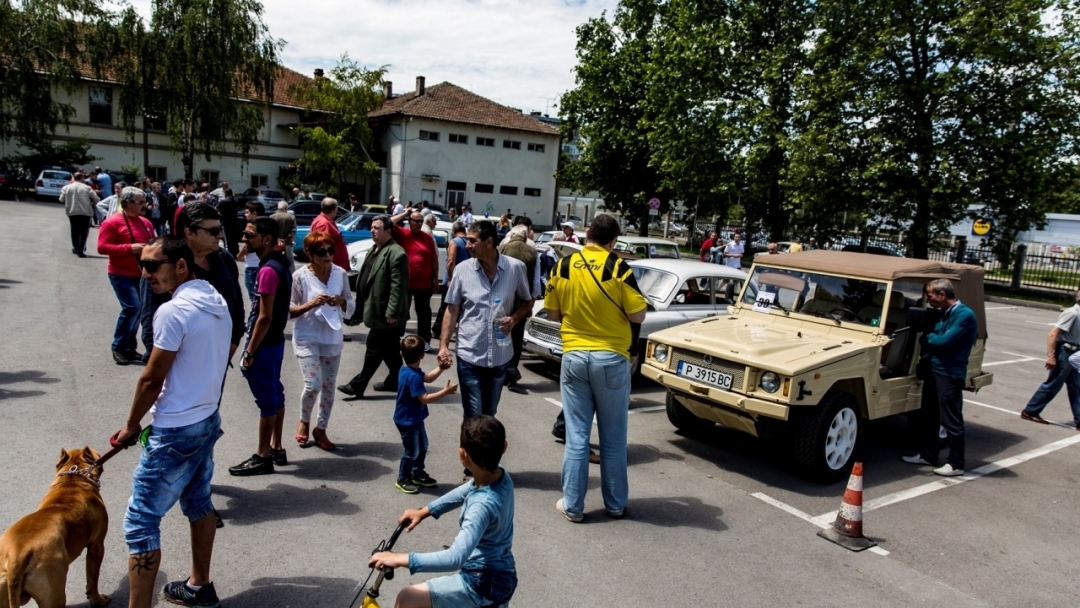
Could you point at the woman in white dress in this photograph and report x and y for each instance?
(320, 299)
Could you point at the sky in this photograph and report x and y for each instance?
(519, 53)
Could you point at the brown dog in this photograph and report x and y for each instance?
(36, 551)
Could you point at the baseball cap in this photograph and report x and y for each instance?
(570, 224)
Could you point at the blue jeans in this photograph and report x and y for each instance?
(250, 275)
(481, 388)
(414, 439)
(127, 324)
(176, 465)
(263, 376)
(595, 383)
(1062, 374)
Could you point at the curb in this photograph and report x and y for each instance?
(1027, 303)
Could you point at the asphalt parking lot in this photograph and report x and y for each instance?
(718, 520)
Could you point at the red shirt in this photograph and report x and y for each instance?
(705, 247)
(324, 224)
(423, 257)
(115, 237)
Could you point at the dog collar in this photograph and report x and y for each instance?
(88, 473)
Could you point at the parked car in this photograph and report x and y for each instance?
(353, 226)
(358, 251)
(306, 211)
(678, 291)
(647, 247)
(49, 182)
(374, 208)
(549, 235)
(879, 249)
(122, 176)
(827, 341)
(268, 198)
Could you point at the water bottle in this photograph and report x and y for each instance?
(501, 338)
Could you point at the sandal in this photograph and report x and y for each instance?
(322, 441)
(301, 438)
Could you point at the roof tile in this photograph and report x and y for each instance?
(451, 103)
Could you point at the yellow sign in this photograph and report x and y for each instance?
(981, 227)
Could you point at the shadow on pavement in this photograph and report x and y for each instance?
(334, 468)
(675, 512)
(34, 376)
(6, 283)
(244, 507)
(548, 480)
(299, 591)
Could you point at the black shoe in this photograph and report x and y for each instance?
(279, 457)
(513, 376)
(177, 592)
(347, 389)
(424, 480)
(134, 355)
(217, 520)
(382, 388)
(256, 465)
(406, 487)
(82, 255)
(559, 435)
(120, 358)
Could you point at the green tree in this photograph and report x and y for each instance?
(44, 46)
(209, 66)
(605, 111)
(340, 143)
(947, 104)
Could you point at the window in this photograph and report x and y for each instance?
(485, 141)
(485, 188)
(429, 135)
(158, 173)
(536, 147)
(209, 176)
(155, 121)
(459, 139)
(532, 192)
(101, 105)
(259, 181)
(507, 189)
(513, 145)
(455, 193)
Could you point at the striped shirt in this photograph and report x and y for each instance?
(475, 294)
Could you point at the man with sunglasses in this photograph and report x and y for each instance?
(326, 222)
(265, 349)
(181, 388)
(423, 269)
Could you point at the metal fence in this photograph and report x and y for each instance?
(1021, 269)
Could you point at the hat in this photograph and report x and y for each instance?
(570, 224)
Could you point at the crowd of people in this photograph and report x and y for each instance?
(171, 268)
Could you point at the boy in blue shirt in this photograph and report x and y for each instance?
(410, 412)
(481, 551)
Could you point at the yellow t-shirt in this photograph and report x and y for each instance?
(795, 248)
(591, 321)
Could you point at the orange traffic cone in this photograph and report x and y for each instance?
(846, 531)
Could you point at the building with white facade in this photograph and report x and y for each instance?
(96, 117)
(448, 146)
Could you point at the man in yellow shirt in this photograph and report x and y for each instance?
(796, 247)
(594, 294)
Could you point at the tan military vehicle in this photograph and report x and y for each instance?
(817, 343)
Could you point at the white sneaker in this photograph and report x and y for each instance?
(916, 459)
(562, 509)
(948, 471)
(427, 347)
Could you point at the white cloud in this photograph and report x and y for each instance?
(516, 52)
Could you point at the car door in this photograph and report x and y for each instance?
(695, 299)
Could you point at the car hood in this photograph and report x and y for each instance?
(769, 346)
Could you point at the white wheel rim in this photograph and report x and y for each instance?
(840, 440)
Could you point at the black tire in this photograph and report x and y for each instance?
(682, 419)
(825, 441)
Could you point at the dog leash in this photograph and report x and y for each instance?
(117, 447)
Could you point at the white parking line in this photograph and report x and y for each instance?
(1024, 360)
(999, 308)
(805, 516)
(1013, 412)
(645, 410)
(556, 403)
(1037, 322)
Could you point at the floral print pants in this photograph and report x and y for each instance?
(320, 379)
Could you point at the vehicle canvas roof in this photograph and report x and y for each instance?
(967, 279)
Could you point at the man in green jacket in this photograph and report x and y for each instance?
(382, 292)
(948, 346)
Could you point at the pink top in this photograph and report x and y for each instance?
(115, 237)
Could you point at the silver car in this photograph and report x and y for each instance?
(49, 182)
(678, 291)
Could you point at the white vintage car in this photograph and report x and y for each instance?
(678, 291)
(358, 252)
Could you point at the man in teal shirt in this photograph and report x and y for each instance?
(948, 345)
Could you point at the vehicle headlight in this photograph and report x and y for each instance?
(353, 261)
(770, 382)
(660, 353)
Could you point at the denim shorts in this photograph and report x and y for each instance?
(176, 465)
(472, 589)
(264, 378)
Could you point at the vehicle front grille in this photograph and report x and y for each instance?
(737, 371)
(547, 331)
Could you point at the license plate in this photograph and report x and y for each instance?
(704, 374)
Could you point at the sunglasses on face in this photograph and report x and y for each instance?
(213, 230)
(249, 235)
(152, 266)
(322, 251)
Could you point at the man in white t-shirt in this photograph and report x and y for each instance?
(180, 388)
(252, 210)
(733, 252)
(395, 206)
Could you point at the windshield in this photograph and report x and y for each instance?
(841, 299)
(656, 285)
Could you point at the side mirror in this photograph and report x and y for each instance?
(680, 298)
